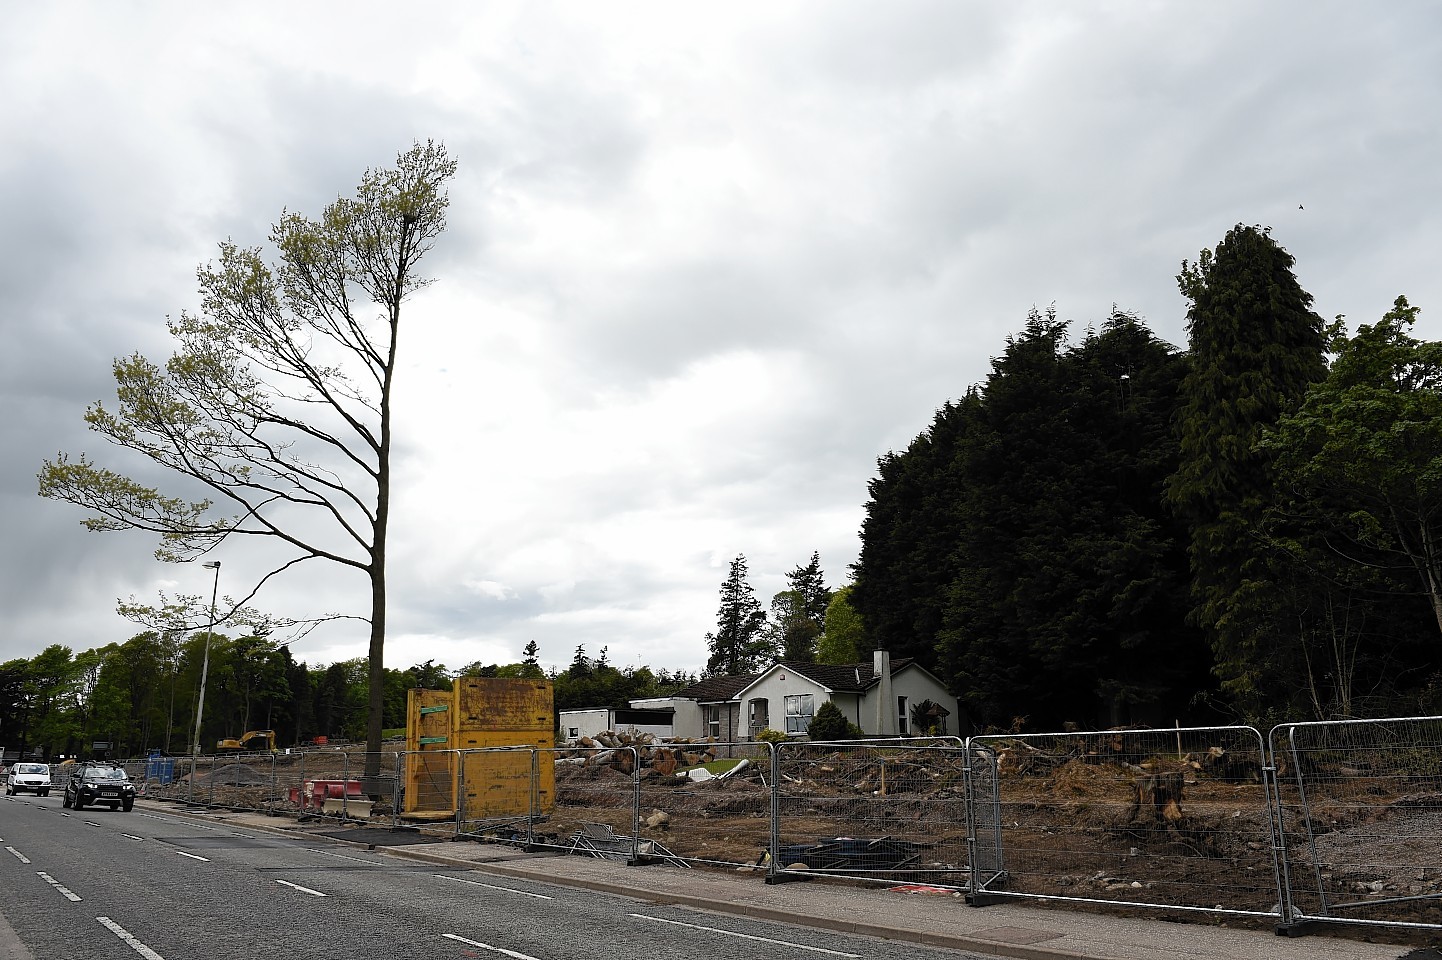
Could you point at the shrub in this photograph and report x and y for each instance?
(771, 736)
(830, 723)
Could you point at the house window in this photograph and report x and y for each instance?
(902, 720)
(800, 708)
(713, 721)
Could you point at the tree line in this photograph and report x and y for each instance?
(140, 695)
(1108, 529)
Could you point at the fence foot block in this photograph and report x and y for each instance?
(1298, 928)
(983, 899)
(773, 878)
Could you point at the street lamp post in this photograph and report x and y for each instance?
(205, 664)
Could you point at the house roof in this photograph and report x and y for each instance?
(841, 677)
(716, 689)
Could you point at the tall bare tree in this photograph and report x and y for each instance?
(276, 406)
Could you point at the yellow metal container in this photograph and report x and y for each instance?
(477, 713)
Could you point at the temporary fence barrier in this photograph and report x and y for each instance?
(597, 802)
(706, 802)
(1360, 814)
(985, 861)
(1174, 818)
(1335, 822)
(885, 811)
(499, 793)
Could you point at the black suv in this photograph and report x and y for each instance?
(99, 783)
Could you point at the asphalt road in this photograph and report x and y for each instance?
(103, 884)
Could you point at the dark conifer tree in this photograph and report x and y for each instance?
(1255, 348)
(910, 534)
(739, 644)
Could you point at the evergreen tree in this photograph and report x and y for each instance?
(1255, 348)
(532, 663)
(809, 584)
(910, 534)
(844, 634)
(790, 633)
(739, 644)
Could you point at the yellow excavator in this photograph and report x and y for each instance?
(257, 741)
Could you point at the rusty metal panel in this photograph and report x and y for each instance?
(497, 704)
(430, 759)
(500, 712)
(479, 713)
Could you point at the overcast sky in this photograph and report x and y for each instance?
(706, 262)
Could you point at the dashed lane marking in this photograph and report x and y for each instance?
(21, 856)
(129, 938)
(296, 886)
(193, 856)
(58, 886)
(489, 886)
(131, 836)
(486, 946)
(341, 856)
(746, 936)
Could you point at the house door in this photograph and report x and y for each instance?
(760, 718)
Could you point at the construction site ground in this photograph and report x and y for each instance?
(1092, 832)
(932, 918)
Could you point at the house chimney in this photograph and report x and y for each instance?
(885, 701)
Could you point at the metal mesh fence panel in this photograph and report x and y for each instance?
(986, 865)
(496, 787)
(706, 802)
(595, 806)
(290, 795)
(1177, 819)
(370, 774)
(885, 811)
(1360, 810)
(430, 785)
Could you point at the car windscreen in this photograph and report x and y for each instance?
(31, 768)
(105, 774)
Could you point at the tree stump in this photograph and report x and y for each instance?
(1161, 794)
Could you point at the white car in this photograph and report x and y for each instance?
(34, 777)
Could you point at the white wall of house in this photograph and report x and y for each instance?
(774, 686)
(917, 685)
(852, 707)
(685, 721)
(575, 724)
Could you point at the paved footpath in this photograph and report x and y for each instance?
(936, 919)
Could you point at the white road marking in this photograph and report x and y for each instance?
(487, 946)
(132, 836)
(477, 883)
(746, 936)
(17, 853)
(193, 856)
(58, 886)
(313, 893)
(341, 856)
(129, 938)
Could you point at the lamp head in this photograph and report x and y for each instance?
(212, 565)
